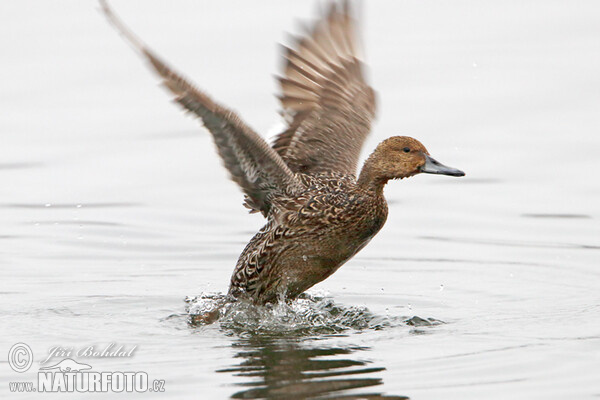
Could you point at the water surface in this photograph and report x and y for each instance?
(115, 209)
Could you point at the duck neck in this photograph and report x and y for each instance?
(371, 177)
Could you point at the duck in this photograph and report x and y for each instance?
(319, 212)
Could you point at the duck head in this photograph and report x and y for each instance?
(400, 157)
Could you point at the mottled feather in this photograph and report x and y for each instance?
(318, 214)
(314, 233)
(251, 162)
(326, 101)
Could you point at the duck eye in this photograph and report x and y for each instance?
(406, 150)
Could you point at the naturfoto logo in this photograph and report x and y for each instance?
(65, 374)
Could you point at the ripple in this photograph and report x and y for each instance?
(75, 223)
(557, 216)
(509, 243)
(20, 165)
(70, 205)
(418, 321)
(284, 368)
(469, 180)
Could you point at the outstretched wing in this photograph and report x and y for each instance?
(326, 101)
(256, 167)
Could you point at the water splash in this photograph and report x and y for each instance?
(307, 315)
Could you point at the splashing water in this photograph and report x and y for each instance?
(308, 315)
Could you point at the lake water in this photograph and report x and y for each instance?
(115, 209)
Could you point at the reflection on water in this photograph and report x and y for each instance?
(281, 347)
(278, 367)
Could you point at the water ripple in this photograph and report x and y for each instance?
(510, 243)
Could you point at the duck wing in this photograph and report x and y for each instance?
(253, 164)
(326, 101)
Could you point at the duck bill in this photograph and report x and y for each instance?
(433, 166)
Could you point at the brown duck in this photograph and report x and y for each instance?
(318, 214)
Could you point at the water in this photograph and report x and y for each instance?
(115, 210)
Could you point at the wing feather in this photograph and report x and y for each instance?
(253, 165)
(326, 101)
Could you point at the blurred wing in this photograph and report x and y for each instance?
(253, 165)
(326, 101)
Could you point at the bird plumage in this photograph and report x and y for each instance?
(326, 101)
(319, 215)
